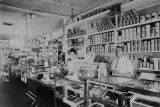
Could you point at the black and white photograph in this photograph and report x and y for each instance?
(79, 53)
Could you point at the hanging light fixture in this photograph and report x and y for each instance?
(31, 15)
(72, 12)
(26, 16)
(10, 25)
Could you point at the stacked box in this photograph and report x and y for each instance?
(148, 31)
(157, 28)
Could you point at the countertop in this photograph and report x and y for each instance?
(130, 83)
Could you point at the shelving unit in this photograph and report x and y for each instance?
(88, 19)
(25, 70)
(51, 48)
(95, 33)
(107, 48)
(117, 86)
(117, 28)
(139, 24)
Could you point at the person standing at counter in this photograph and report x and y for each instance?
(73, 68)
(122, 66)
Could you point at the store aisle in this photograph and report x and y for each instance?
(12, 94)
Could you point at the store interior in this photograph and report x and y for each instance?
(79, 53)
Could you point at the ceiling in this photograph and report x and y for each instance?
(58, 7)
(47, 16)
(37, 26)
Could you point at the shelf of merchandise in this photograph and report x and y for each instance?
(139, 24)
(95, 33)
(79, 23)
(118, 28)
(88, 19)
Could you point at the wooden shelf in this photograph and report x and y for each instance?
(147, 71)
(95, 33)
(142, 52)
(41, 67)
(156, 37)
(109, 54)
(75, 46)
(138, 24)
(101, 43)
(76, 37)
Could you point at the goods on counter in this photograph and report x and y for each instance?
(112, 97)
(148, 63)
(59, 71)
(87, 71)
(97, 91)
(60, 91)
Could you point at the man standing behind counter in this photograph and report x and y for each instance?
(122, 66)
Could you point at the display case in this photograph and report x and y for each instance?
(120, 91)
(74, 93)
(144, 101)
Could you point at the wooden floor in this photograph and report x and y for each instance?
(12, 93)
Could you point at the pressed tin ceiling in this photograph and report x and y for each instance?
(57, 7)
